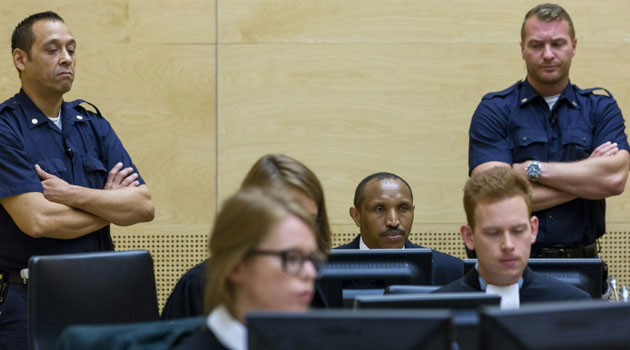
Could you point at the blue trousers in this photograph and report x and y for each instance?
(13, 324)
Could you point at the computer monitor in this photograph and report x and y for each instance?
(346, 329)
(586, 274)
(411, 289)
(466, 300)
(465, 308)
(351, 272)
(578, 325)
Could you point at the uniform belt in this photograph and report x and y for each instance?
(14, 277)
(589, 251)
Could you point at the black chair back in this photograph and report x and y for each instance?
(88, 288)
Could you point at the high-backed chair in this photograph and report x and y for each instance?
(88, 288)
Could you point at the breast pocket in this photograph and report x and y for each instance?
(54, 166)
(95, 172)
(576, 145)
(528, 145)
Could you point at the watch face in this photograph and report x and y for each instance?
(534, 170)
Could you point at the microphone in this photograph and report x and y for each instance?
(612, 281)
(553, 118)
(69, 152)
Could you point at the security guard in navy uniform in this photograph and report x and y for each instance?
(569, 142)
(64, 174)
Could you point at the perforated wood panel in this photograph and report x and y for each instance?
(615, 246)
(446, 242)
(173, 254)
(342, 238)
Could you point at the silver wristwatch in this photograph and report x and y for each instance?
(534, 170)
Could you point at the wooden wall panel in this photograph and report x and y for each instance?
(173, 22)
(162, 106)
(365, 21)
(404, 21)
(351, 110)
(123, 21)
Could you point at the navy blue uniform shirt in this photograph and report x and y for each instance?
(82, 153)
(515, 125)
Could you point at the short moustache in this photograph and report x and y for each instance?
(388, 232)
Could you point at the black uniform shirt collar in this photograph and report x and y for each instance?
(528, 93)
(36, 117)
(71, 115)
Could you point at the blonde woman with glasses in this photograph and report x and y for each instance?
(265, 256)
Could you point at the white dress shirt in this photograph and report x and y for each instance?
(228, 331)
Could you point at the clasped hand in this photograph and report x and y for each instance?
(58, 190)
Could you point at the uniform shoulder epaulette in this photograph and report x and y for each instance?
(501, 93)
(76, 104)
(9, 104)
(595, 91)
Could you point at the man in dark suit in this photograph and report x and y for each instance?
(501, 229)
(383, 211)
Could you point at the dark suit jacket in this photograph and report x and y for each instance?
(536, 287)
(202, 339)
(445, 268)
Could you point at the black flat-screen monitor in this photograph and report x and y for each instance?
(346, 329)
(465, 308)
(586, 274)
(577, 325)
(411, 289)
(465, 300)
(351, 272)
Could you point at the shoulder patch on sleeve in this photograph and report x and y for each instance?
(501, 93)
(76, 104)
(596, 91)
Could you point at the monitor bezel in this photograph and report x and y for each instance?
(330, 282)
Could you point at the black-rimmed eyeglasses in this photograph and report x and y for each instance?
(293, 259)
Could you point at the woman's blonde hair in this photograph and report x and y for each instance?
(281, 171)
(245, 219)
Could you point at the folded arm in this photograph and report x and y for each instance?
(543, 197)
(591, 178)
(38, 217)
(121, 205)
(602, 175)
